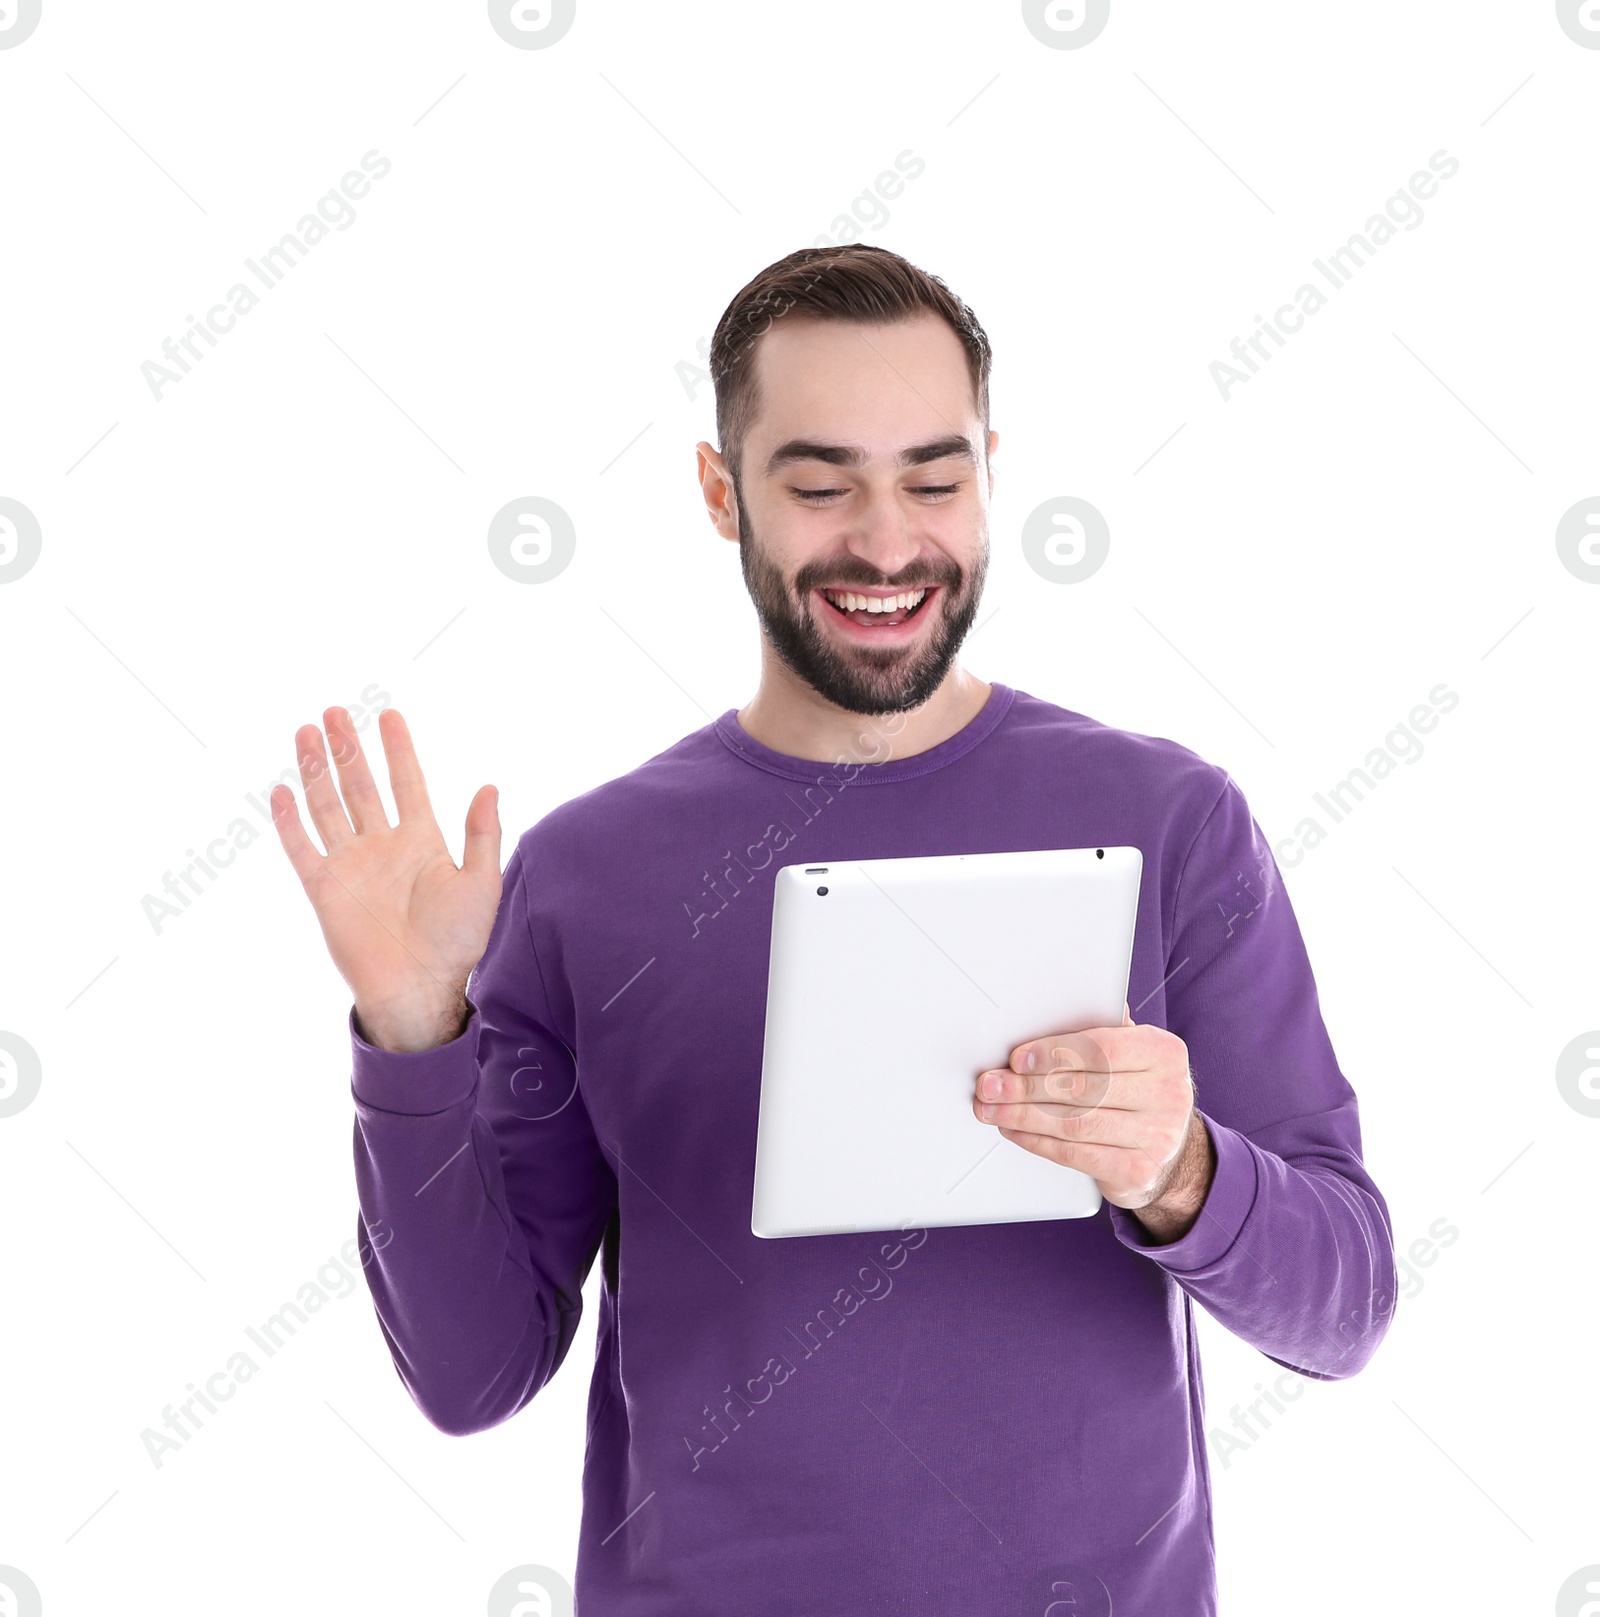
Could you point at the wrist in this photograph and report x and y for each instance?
(412, 1032)
(1172, 1213)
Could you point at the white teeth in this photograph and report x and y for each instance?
(875, 603)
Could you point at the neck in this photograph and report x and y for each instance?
(787, 715)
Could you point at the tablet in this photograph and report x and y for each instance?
(892, 983)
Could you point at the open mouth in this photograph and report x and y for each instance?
(878, 612)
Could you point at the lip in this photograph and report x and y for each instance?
(881, 636)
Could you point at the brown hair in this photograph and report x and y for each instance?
(854, 282)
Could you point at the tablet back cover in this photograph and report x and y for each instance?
(888, 995)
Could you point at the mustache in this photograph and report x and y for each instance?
(805, 584)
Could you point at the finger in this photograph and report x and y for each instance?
(481, 855)
(302, 851)
(355, 778)
(1098, 1125)
(1127, 1015)
(1100, 1049)
(1122, 1089)
(322, 797)
(1107, 1164)
(405, 772)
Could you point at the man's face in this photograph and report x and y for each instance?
(864, 473)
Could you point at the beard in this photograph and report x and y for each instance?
(860, 679)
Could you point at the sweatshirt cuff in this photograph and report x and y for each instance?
(1222, 1215)
(415, 1082)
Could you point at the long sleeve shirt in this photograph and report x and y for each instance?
(997, 1419)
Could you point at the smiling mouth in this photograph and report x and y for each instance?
(878, 612)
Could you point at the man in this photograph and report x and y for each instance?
(1015, 1424)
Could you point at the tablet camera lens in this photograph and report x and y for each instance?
(1099, 853)
(822, 892)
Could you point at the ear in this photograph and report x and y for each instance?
(716, 490)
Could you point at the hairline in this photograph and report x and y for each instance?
(751, 349)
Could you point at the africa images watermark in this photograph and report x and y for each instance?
(268, 1337)
(848, 1300)
(532, 25)
(874, 745)
(271, 271)
(867, 212)
(181, 889)
(1250, 1422)
(1404, 209)
(1402, 744)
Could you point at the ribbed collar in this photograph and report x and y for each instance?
(977, 728)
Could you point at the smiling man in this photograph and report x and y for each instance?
(563, 1062)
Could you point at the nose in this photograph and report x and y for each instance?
(883, 538)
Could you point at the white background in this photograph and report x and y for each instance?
(304, 517)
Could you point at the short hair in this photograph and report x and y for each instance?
(857, 283)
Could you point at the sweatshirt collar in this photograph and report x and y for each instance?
(855, 767)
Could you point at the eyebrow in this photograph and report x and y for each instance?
(956, 446)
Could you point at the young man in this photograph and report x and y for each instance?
(994, 1418)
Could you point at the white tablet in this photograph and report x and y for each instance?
(892, 984)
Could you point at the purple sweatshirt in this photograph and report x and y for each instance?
(987, 1419)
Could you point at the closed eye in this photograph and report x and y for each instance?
(938, 491)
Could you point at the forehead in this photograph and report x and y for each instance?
(877, 385)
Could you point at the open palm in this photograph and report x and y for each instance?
(403, 922)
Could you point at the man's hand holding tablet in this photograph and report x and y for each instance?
(1116, 1104)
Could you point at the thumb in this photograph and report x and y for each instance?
(481, 854)
(1127, 1016)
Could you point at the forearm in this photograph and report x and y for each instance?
(472, 1332)
(1294, 1257)
(475, 1320)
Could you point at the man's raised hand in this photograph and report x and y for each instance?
(403, 922)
